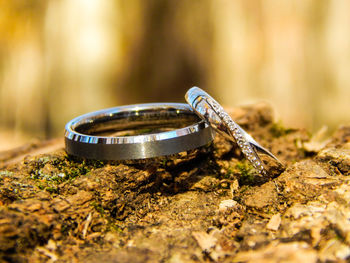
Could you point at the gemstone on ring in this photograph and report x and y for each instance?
(213, 113)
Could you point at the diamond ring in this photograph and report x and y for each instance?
(161, 129)
(213, 113)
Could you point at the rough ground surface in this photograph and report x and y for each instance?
(203, 206)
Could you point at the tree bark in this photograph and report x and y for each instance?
(199, 206)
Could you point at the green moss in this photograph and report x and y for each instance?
(278, 130)
(229, 173)
(64, 229)
(72, 168)
(52, 190)
(163, 162)
(247, 173)
(112, 226)
(41, 186)
(66, 168)
(98, 207)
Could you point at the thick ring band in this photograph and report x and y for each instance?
(83, 134)
(212, 112)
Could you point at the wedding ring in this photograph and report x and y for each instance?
(213, 113)
(162, 126)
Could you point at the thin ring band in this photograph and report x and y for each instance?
(81, 139)
(212, 112)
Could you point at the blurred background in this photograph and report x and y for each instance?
(63, 58)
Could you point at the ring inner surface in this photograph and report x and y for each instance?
(131, 123)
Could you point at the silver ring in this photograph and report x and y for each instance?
(212, 112)
(86, 137)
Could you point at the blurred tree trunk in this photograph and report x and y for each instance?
(169, 53)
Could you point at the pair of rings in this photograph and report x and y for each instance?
(157, 129)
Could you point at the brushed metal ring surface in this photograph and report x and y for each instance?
(213, 113)
(83, 134)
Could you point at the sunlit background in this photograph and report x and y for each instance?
(63, 58)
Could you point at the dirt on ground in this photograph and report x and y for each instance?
(206, 205)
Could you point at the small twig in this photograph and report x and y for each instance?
(47, 253)
(86, 225)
